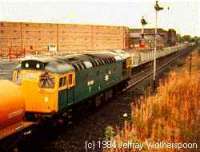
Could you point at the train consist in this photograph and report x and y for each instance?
(50, 87)
(144, 57)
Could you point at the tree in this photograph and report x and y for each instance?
(187, 38)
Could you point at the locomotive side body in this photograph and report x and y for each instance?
(90, 82)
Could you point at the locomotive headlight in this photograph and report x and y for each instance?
(26, 65)
(37, 65)
(46, 99)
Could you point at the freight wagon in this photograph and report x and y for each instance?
(12, 114)
(140, 58)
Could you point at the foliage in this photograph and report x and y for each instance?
(109, 133)
(188, 38)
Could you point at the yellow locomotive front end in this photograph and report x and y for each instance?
(38, 87)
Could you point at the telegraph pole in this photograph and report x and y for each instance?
(154, 53)
(157, 8)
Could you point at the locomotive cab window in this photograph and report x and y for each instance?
(71, 80)
(17, 77)
(62, 82)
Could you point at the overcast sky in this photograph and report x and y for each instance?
(183, 15)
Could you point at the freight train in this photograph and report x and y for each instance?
(53, 85)
(50, 87)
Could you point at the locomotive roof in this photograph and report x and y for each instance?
(50, 64)
(62, 64)
(43, 59)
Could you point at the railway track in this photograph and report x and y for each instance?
(90, 126)
(137, 78)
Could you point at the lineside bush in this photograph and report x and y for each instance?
(170, 116)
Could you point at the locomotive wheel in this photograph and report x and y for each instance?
(108, 95)
(98, 100)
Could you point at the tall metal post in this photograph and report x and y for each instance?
(142, 31)
(155, 51)
(142, 36)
